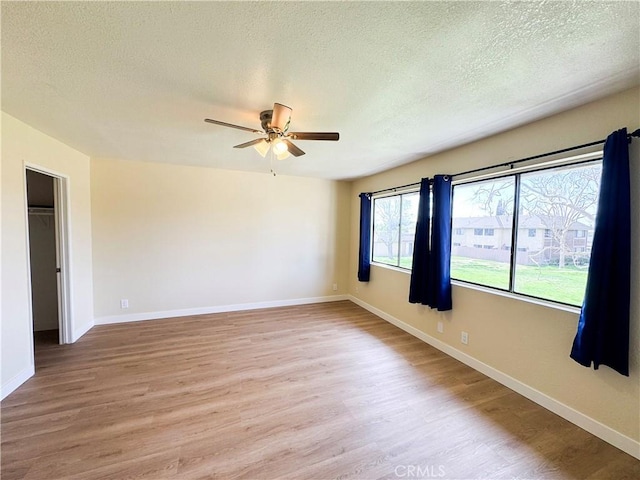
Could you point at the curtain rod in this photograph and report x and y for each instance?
(509, 164)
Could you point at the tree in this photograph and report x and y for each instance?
(388, 222)
(561, 199)
(496, 197)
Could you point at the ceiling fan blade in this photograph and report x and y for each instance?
(293, 150)
(281, 117)
(334, 136)
(250, 144)
(231, 125)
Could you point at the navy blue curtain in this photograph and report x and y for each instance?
(418, 292)
(430, 275)
(603, 328)
(440, 265)
(364, 259)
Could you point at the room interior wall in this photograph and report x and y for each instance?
(175, 240)
(525, 341)
(22, 145)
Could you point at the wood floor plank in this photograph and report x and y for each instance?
(316, 391)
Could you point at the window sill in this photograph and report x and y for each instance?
(515, 296)
(391, 267)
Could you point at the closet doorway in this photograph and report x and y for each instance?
(47, 260)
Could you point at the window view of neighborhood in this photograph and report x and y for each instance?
(554, 232)
(553, 238)
(394, 227)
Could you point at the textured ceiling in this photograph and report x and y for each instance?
(398, 80)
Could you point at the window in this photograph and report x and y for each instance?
(459, 231)
(394, 227)
(480, 203)
(488, 232)
(560, 200)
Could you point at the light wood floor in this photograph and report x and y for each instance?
(319, 391)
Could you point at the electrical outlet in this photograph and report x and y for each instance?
(335, 287)
(464, 338)
(124, 303)
(440, 327)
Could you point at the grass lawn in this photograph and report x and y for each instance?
(552, 283)
(565, 285)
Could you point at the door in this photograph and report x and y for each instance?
(47, 253)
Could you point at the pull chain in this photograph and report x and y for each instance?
(271, 169)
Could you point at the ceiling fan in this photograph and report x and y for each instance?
(275, 125)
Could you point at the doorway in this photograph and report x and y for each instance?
(47, 265)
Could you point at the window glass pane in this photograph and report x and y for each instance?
(483, 209)
(560, 206)
(408, 228)
(386, 229)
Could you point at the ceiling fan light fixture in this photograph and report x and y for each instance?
(281, 117)
(275, 125)
(279, 147)
(262, 148)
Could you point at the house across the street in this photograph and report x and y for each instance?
(540, 240)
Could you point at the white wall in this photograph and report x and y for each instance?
(22, 144)
(175, 240)
(528, 342)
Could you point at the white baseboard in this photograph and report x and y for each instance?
(609, 435)
(136, 317)
(81, 331)
(16, 381)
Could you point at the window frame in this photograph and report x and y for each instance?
(595, 157)
(394, 193)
